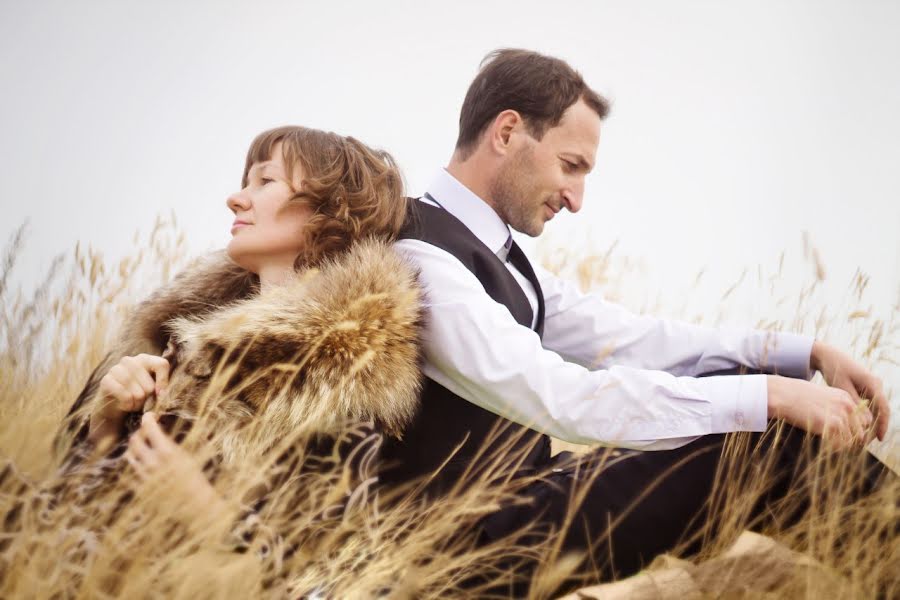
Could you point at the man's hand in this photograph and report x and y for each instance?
(826, 411)
(842, 372)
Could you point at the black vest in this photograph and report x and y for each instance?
(448, 426)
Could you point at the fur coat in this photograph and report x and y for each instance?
(336, 344)
(328, 361)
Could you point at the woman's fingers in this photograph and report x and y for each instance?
(156, 436)
(156, 366)
(144, 370)
(149, 448)
(141, 449)
(113, 393)
(133, 379)
(135, 399)
(135, 464)
(139, 373)
(160, 369)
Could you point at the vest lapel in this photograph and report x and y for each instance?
(520, 261)
(449, 233)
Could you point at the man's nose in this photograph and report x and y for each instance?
(573, 200)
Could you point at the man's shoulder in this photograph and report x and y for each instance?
(436, 226)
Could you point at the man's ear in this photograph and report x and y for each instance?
(501, 131)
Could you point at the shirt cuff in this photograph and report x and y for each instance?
(739, 402)
(788, 354)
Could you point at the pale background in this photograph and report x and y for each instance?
(736, 126)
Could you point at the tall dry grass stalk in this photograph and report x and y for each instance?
(66, 536)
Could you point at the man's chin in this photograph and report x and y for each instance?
(533, 230)
(537, 228)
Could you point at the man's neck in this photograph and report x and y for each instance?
(471, 176)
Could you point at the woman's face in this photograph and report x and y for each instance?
(268, 230)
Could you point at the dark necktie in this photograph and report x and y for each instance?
(511, 252)
(503, 252)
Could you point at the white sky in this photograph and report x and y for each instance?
(735, 126)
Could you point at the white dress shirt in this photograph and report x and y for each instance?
(601, 374)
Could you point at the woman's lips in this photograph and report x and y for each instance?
(238, 225)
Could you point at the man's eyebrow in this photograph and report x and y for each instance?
(580, 160)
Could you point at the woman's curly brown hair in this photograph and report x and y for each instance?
(353, 190)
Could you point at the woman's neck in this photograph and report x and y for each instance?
(274, 275)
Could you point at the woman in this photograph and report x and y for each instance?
(303, 332)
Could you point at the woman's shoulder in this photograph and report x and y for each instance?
(371, 265)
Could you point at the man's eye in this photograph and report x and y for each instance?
(266, 180)
(570, 166)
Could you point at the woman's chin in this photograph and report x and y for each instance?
(234, 252)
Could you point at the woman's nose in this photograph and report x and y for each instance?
(237, 201)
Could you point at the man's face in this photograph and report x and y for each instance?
(539, 178)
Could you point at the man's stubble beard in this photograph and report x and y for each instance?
(512, 192)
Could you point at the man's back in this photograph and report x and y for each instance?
(448, 427)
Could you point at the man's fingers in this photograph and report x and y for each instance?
(846, 384)
(836, 431)
(858, 428)
(882, 412)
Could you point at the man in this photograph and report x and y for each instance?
(506, 338)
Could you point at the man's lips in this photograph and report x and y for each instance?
(238, 224)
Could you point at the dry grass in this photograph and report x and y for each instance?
(63, 539)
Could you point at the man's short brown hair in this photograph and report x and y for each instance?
(538, 87)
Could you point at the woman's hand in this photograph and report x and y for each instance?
(153, 453)
(124, 389)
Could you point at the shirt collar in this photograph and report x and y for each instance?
(465, 205)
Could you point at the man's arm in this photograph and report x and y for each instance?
(588, 329)
(474, 347)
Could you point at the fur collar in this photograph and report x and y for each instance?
(336, 343)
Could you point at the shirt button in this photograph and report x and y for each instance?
(739, 418)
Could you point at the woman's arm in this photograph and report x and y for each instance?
(347, 460)
(124, 389)
(119, 389)
(151, 452)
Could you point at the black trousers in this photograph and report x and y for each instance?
(637, 505)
